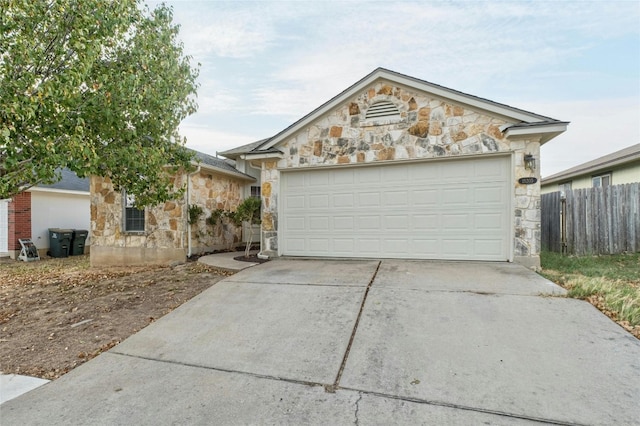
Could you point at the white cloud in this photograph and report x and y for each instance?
(269, 62)
(210, 141)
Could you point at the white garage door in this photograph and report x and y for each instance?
(449, 209)
(4, 226)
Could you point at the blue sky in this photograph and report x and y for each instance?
(266, 64)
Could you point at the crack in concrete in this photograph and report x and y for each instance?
(463, 407)
(332, 388)
(357, 420)
(225, 370)
(336, 384)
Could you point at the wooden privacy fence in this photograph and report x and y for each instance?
(603, 220)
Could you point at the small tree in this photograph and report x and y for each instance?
(248, 211)
(96, 86)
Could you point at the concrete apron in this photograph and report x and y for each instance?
(338, 342)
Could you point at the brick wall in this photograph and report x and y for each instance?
(19, 219)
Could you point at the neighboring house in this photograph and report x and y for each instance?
(124, 235)
(616, 168)
(64, 204)
(397, 167)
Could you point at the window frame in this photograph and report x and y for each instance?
(599, 178)
(128, 207)
(565, 186)
(255, 191)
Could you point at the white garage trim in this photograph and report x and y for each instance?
(453, 209)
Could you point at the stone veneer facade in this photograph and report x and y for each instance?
(427, 128)
(165, 239)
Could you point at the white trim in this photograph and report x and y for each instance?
(545, 131)
(59, 191)
(238, 175)
(405, 161)
(259, 156)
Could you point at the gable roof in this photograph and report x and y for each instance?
(624, 156)
(69, 181)
(535, 123)
(218, 165)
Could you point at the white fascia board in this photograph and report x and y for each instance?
(472, 101)
(545, 131)
(261, 156)
(214, 169)
(59, 191)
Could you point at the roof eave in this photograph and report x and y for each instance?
(381, 73)
(546, 131)
(261, 155)
(58, 190)
(238, 175)
(589, 170)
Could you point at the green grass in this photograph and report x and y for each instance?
(611, 283)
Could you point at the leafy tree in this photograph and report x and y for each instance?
(97, 86)
(248, 211)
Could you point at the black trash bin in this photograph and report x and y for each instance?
(59, 242)
(78, 240)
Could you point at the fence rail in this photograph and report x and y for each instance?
(603, 220)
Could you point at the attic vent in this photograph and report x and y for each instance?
(382, 109)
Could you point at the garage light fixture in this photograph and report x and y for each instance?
(529, 162)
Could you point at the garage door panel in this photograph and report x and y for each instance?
(342, 200)
(369, 199)
(434, 210)
(396, 222)
(369, 223)
(453, 196)
(425, 197)
(368, 175)
(424, 222)
(369, 246)
(318, 245)
(319, 223)
(343, 223)
(397, 199)
(319, 201)
(488, 195)
(395, 174)
(343, 177)
(318, 179)
(426, 248)
(492, 246)
(294, 223)
(456, 222)
(344, 246)
(458, 247)
(295, 202)
(489, 221)
(397, 246)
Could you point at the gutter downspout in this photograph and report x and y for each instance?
(188, 204)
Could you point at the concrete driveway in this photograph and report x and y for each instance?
(359, 342)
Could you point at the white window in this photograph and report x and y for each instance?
(133, 217)
(564, 187)
(255, 191)
(602, 180)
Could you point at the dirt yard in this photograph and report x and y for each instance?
(56, 314)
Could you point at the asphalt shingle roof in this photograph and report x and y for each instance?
(69, 181)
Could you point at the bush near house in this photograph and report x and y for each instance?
(610, 282)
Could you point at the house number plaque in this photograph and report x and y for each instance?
(527, 180)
